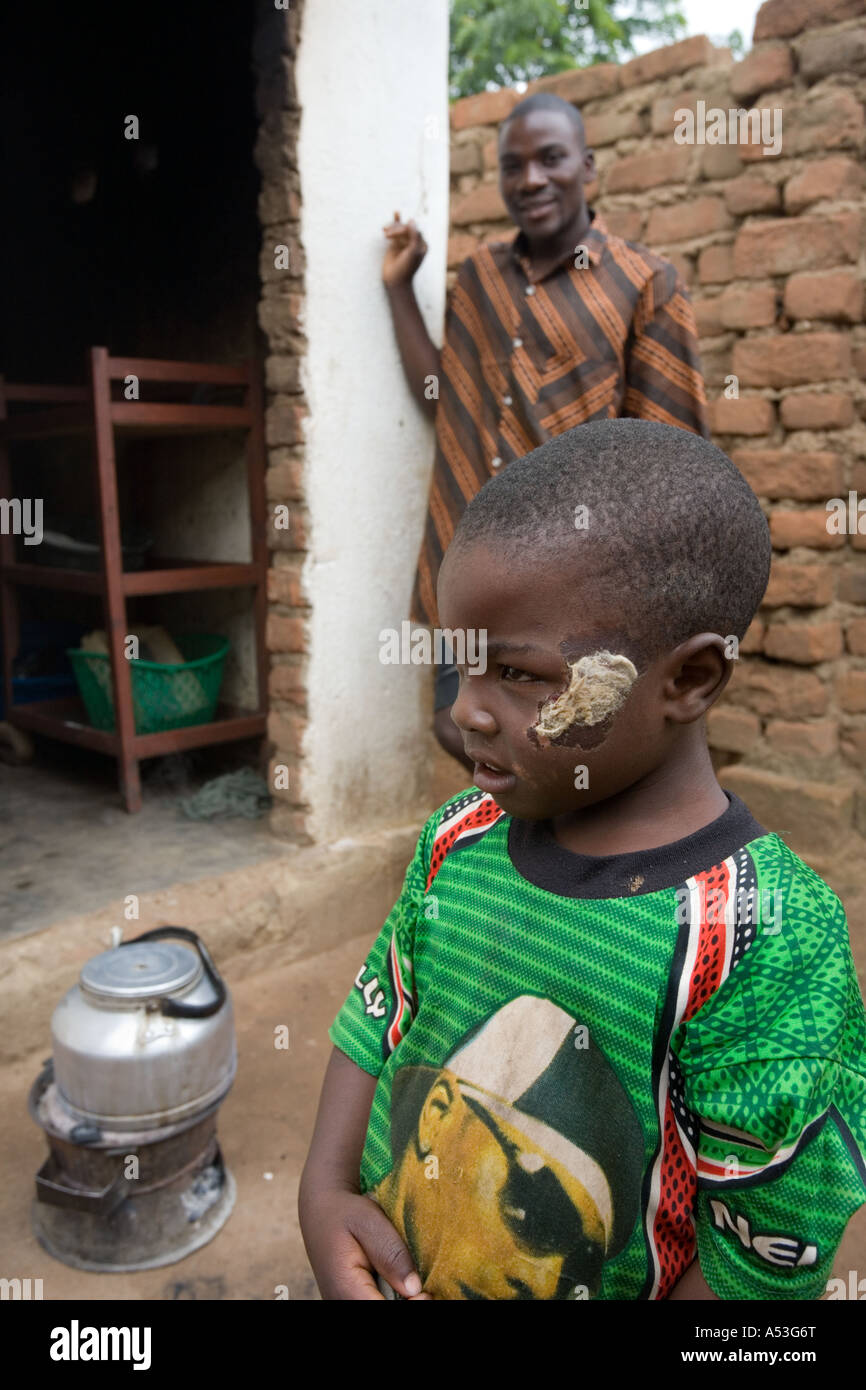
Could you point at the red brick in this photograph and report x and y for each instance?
(855, 636)
(283, 374)
(709, 324)
(286, 537)
(769, 689)
(284, 423)
(804, 643)
(716, 265)
(684, 265)
(779, 19)
(460, 245)
(580, 85)
(284, 482)
(485, 108)
(801, 740)
(783, 473)
(288, 682)
(835, 296)
(286, 731)
(811, 411)
(792, 359)
(753, 637)
(796, 244)
(853, 746)
(607, 127)
(684, 221)
(650, 170)
(482, 204)
(852, 583)
(836, 177)
(752, 308)
(280, 315)
(762, 70)
(278, 766)
(831, 121)
(717, 368)
(495, 234)
(789, 529)
(825, 55)
(673, 58)
(851, 691)
(720, 161)
(284, 586)
(733, 730)
(285, 634)
(750, 193)
(811, 817)
(798, 586)
(664, 111)
(745, 415)
(624, 222)
(465, 158)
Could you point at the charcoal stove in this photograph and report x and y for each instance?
(143, 1056)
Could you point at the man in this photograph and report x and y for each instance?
(562, 325)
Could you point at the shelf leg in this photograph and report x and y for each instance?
(114, 601)
(256, 463)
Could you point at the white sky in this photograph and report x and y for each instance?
(717, 20)
(704, 17)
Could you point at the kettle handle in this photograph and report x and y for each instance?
(176, 1008)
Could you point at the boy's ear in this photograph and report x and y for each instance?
(695, 675)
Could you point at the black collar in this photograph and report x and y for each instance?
(538, 857)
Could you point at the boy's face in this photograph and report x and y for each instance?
(535, 625)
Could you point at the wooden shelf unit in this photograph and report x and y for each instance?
(70, 410)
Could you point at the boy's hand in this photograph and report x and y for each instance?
(404, 253)
(348, 1237)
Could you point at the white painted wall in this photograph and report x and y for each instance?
(372, 83)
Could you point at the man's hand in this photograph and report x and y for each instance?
(348, 1237)
(404, 252)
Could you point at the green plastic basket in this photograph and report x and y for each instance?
(164, 696)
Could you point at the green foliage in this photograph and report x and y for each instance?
(736, 43)
(498, 43)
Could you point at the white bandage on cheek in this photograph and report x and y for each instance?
(598, 687)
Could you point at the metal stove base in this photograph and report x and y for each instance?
(145, 1232)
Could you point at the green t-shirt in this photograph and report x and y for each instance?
(588, 1067)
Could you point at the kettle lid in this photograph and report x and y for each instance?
(141, 970)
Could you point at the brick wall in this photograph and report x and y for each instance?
(280, 315)
(771, 248)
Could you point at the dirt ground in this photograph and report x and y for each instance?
(264, 1128)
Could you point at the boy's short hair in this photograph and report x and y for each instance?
(674, 536)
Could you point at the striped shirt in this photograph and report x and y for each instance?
(607, 332)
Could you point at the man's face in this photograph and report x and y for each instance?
(542, 171)
(536, 623)
(502, 1220)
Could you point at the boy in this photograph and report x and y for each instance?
(609, 1043)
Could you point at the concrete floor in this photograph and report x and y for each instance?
(68, 847)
